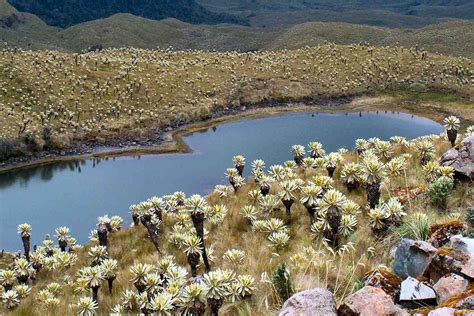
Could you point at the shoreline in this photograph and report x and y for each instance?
(169, 139)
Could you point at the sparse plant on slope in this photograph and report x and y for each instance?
(298, 152)
(287, 195)
(282, 284)
(351, 174)
(309, 195)
(452, 123)
(440, 190)
(316, 150)
(373, 172)
(239, 163)
(196, 206)
(25, 232)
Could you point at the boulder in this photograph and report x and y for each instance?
(369, 301)
(462, 161)
(383, 279)
(447, 261)
(414, 293)
(444, 311)
(412, 258)
(462, 243)
(310, 302)
(449, 286)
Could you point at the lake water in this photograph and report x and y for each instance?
(75, 193)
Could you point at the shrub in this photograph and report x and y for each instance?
(440, 190)
(470, 216)
(9, 148)
(416, 226)
(282, 282)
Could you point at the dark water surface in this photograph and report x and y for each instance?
(75, 193)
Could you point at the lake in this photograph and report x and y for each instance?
(75, 193)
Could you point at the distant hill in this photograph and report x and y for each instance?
(387, 13)
(64, 13)
(123, 30)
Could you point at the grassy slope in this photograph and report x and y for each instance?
(341, 274)
(124, 30)
(176, 83)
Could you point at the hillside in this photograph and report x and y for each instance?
(392, 13)
(64, 13)
(124, 30)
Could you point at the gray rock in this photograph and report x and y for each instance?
(412, 258)
(310, 302)
(466, 303)
(444, 311)
(449, 286)
(465, 244)
(414, 290)
(369, 301)
(462, 161)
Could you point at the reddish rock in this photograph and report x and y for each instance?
(449, 286)
(440, 234)
(369, 301)
(385, 280)
(447, 261)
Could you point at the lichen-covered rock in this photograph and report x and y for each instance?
(440, 234)
(310, 302)
(443, 311)
(385, 280)
(462, 161)
(414, 293)
(369, 301)
(412, 258)
(449, 286)
(466, 303)
(462, 243)
(447, 261)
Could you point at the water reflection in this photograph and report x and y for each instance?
(74, 193)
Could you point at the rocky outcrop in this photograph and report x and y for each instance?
(462, 161)
(369, 301)
(310, 302)
(450, 286)
(412, 258)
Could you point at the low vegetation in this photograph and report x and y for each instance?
(318, 220)
(51, 99)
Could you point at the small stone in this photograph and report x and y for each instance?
(466, 303)
(310, 302)
(369, 301)
(462, 243)
(450, 286)
(444, 311)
